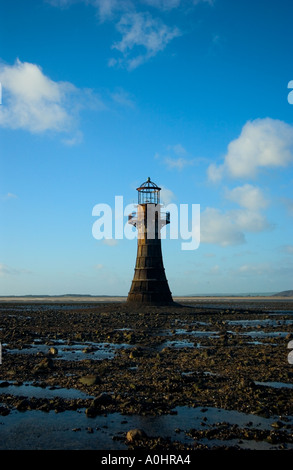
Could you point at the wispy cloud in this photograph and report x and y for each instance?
(288, 249)
(9, 196)
(142, 38)
(9, 271)
(123, 98)
(177, 163)
(110, 241)
(177, 158)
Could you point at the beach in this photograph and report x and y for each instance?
(205, 373)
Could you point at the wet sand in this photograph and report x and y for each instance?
(208, 373)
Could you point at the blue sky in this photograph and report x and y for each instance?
(97, 95)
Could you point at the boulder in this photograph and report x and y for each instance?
(90, 380)
(53, 351)
(135, 435)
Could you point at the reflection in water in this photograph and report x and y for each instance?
(70, 429)
(29, 390)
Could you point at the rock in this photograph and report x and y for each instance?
(135, 435)
(103, 400)
(23, 405)
(53, 351)
(277, 424)
(4, 411)
(45, 365)
(135, 352)
(90, 380)
(4, 384)
(98, 404)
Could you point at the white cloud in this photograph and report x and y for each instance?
(178, 149)
(263, 143)
(163, 4)
(214, 270)
(9, 196)
(99, 266)
(108, 8)
(288, 204)
(220, 229)
(254, 269)
(110, 241)
(142, 38)
(177, 163)
(248, 196)
(142, 35)
(34, 102)
(166, 196)
(75, 140)
(9, 271)
(31, 100)
(287, 249)
(122, 98)
(229, 228)
(249, 220)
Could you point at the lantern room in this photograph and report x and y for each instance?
(148, 193)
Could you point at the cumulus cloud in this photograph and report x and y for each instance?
(31, 100)
(219, 228)
(288, 203)
(166, 196)
(230, 228)
(34, 102)
(263, 143)
(142, 38)
(248, 196)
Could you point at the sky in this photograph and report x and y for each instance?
(99, 95)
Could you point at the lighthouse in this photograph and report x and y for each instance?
(149, 285)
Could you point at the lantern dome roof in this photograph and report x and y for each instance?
(148, 186)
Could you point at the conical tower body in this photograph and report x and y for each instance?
(149, 285)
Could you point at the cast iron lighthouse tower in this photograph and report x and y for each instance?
(149, 285)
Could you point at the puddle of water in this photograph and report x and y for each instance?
(75, 351)
(275, 384)
(177, 344)
(265, 333)
(266, 322)
(28, 390)
(70, 429)
(196, 333)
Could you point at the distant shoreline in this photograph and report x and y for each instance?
(108, 298)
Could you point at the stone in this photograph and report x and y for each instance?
(45, 365)
(4, 411)
(53, 351)
(103, 399)
(23, 405)
(90, 380)
(135, 435)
